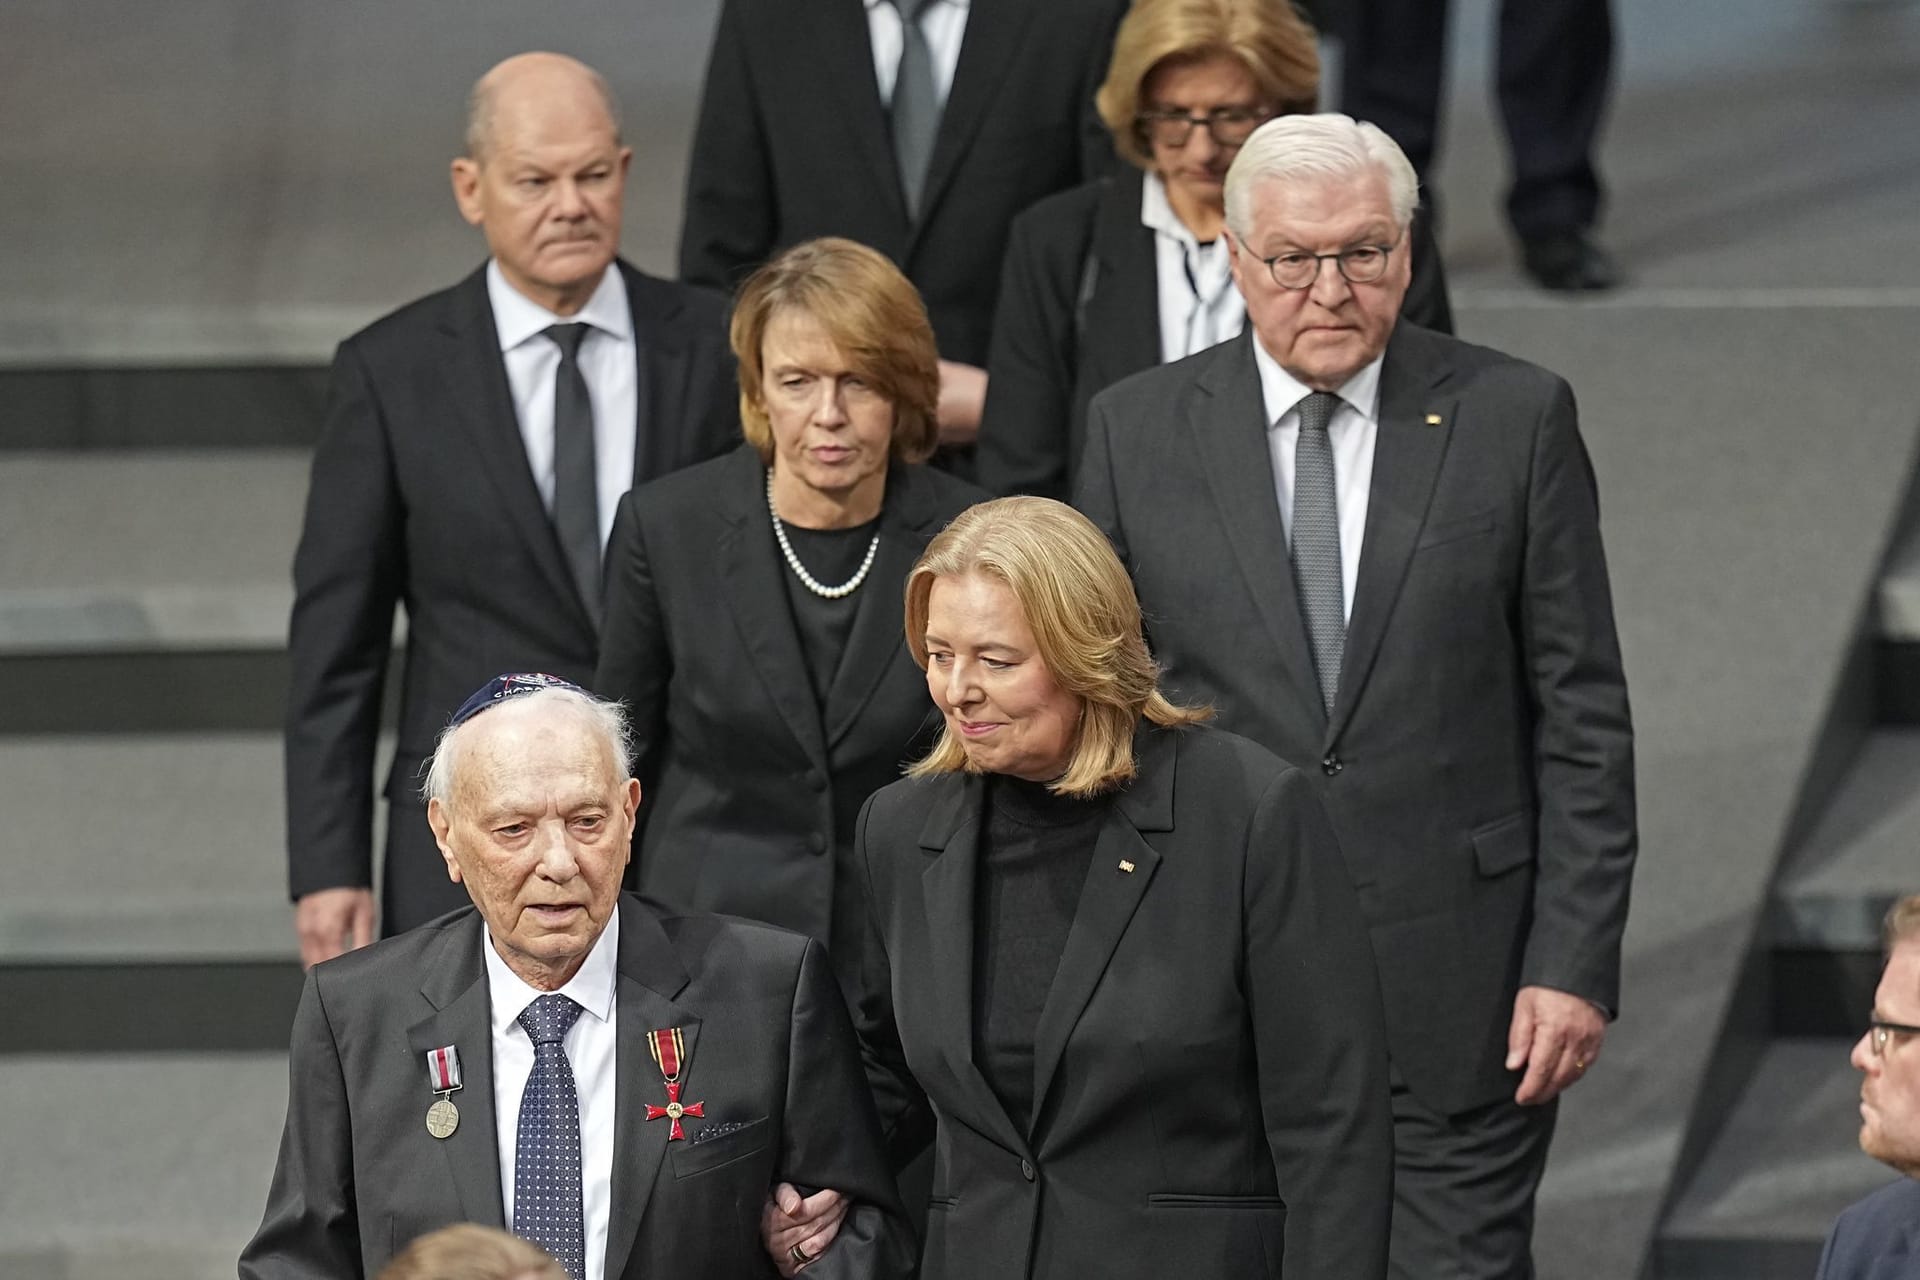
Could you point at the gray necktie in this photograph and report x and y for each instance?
(1316, 543)
(576, 490)
(547, 1204)
(915, 111)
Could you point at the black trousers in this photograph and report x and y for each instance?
(413, 881)
(1554, 69)
(1463, 1189)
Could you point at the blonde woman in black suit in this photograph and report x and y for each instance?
(752, 620)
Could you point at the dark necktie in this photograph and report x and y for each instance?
(546, 1156)
(576, 493)
(1316, 543)
(915, 110)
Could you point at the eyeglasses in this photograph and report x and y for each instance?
(1879, 1033)
(1230, 126)
(1362, 264)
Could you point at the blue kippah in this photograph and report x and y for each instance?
(501, 688)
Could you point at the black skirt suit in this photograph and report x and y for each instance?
(1210, 1073)
(1079, 310)
(751, 784)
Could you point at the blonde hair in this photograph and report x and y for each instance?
(469, 1252)
(1268, 37)
(869, 310)
(1079, 602)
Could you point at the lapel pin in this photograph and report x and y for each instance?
(1433, 419)
(1126, 866)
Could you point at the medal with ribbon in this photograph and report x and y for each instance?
(443, 1075)
(669, 1050)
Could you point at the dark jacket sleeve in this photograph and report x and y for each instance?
(906, 1117)
(310, 1228)
(636, 661)
(347, 578)
(831, 1138)
(1320, 1039)
(1024, 436)
(730, 218)
(1583, 733)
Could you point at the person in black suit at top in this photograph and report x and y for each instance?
(1376, 550)
(1130, 270)
(469, 468)
(753, 602)
(1117, 974)
(920, 127)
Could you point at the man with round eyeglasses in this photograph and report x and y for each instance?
(1376, 551)
(1878, 1238)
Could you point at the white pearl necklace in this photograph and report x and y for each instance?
(807, 580)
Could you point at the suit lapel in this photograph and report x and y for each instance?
(876, 642)
(952, 834)
(473, 378)
(839, 45)
(456, 987)
(651, 975)
(993, 32)
(750, 582)
(1228, 422)
(1406, 463)
(661, 373)
(1123, 315)
(1107, 902)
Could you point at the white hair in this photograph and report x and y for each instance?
(607, 719)
(1312, 147)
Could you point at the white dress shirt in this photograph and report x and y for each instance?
(944, 23)
(607, 361)
(1352, 433)
(1199, 307)
(589, 1046)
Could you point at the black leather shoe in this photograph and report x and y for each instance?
(1569, 262)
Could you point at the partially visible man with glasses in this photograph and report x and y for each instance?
(1878, 1238)
(1376, 551)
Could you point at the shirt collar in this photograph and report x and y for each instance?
(592, 988)
(517, 317)
(1281, 391)
(957, 4)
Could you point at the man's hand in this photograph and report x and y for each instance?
(789, 1223)
(331, 922)
(1556, 1037)
(963, 393)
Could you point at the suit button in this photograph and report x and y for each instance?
(817, 780)
(817, 842)
(1026, 1170)
(1331, 765)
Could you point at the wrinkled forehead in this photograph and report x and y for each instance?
(523, 751)
(1322, 205)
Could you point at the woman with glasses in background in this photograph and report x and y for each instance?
(1131, 271)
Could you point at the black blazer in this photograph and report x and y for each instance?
(768, 1048)
(1080, 309)
(421, 495)
(793, 143)
(1478, 764)
(1210, 1076)
(752, 787)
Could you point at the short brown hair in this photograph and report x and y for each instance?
(869, 310)
(1902, 922)
(1077, 598)
(1269, 37)
(469, 1252)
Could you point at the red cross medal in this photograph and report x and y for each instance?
(668, 1050)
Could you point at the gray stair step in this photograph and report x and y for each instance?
(1899, 593)
(188, 407)
(1782, 1169)
(1863, 853)
(151, 1166)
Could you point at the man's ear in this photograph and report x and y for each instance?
(442, 824)
(466, 189)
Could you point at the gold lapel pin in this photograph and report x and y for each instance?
(1126, 866)
(1433, 419)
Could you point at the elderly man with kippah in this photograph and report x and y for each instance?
(619, 1086)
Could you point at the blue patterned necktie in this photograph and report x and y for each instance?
(1316, 543)
(546, 1157)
